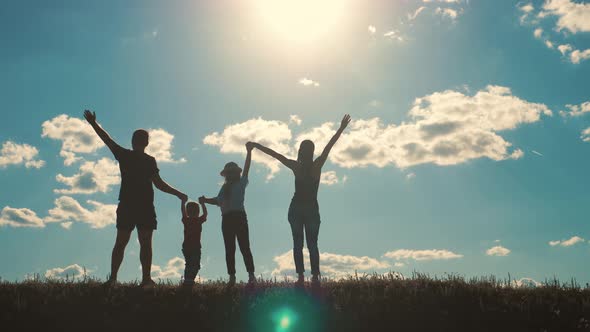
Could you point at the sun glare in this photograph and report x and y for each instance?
(302, 20)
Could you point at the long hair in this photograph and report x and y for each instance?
(305, 155)
(230, 178)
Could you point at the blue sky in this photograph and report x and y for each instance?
(466, 153)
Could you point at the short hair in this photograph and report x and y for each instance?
(141, 138)
(192, 209)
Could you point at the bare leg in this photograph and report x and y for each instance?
(118, 252)
(145, 253)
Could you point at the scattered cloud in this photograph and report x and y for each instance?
(331, 178)
(333, 265)
(73, 271)
(394, 35)
(564, 49)
(422, 255)
(375, 103)
(372, 29)
(571, 16)
(308, 82)
(76, 136)
(20, 217)
(567, 243)
(410, 176)
(498, 251)
(525, 283)
(173, 269)
(412, 16)
(66, 225)
(585, 135)
(577, 56)
(295, 119)
(160, 146)
(13, 154)
(537, 153)
(538, 33)
(273, 134)
(92, 177)
(449, 13)
(576, 110)
(445, 128)
(68, 209)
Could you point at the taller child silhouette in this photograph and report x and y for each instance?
(136, 198)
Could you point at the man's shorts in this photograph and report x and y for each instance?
(142, 216)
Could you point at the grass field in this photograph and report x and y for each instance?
(371, 303)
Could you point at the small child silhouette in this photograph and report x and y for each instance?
(191, 247)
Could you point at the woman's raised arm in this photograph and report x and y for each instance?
(290, 163)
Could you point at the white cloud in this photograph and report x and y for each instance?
(549, 44)
(537, 153)
(66, 225)
(20, 217)
(308, 82)
(445, 128)
(577, 56)
(567, 243)
(585, 135)
(160, 146)
(498, 251)
(295, 119)
(68, 209)
(333, 265)
(525, 283)
(422, 255)
(375, 103)
(76, 136)
(394, 34)
(572, 16)
(330, 178)
(538, 32)
(417, 12)
(565, 48)
(449, 13)
(173, 269)
(93, 177)
(19, 154)
(527, 8)
(372, 29)
(410, 176)
(576, 110)
(274, 134)
(73, 271)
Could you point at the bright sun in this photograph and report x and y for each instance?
(302, 20)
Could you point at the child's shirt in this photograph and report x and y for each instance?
(193, 227)
(235, 202)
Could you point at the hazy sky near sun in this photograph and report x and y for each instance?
(468, 151)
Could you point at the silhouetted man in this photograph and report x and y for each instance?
(136, 198)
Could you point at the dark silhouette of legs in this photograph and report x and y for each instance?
(192, 258)
(297, 232)
(145, 253)
(229, 239)
(311, 236)
(118, 252)
(242, 233)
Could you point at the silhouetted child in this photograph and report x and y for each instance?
(191, 247)
(234, 222)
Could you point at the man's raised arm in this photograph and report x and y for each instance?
(104, 136)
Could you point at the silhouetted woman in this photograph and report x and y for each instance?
(304, 211)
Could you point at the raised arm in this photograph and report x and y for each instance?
(212, 201)
(165, 187)
(204, 208)
(321, 160)
(249, 147)
(104, 136)
(284, 160)
(183, 208)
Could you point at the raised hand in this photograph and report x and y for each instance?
(249, 146)
(202, 200)
(90, 116)
(345, 121)
(183, 197)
